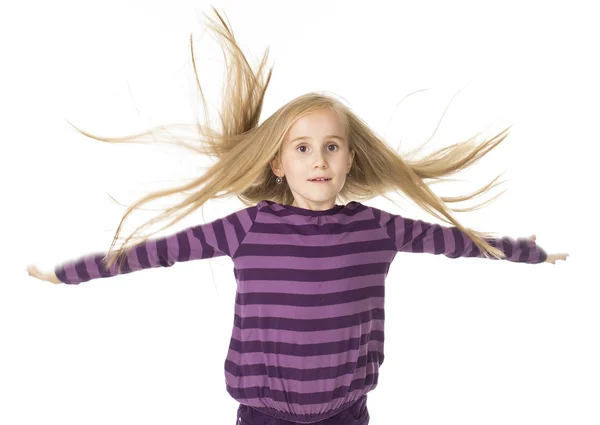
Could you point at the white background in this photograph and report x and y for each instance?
(468, 341)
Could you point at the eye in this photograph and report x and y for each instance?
(332, 144)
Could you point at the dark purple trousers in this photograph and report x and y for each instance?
(357, 414)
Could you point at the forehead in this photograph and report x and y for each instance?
(317, 124)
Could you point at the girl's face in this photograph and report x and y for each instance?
(316, 145)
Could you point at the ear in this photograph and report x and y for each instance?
(275, 167)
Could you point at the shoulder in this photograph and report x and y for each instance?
(377, 213)
(245, 216)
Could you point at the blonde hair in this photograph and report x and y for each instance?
(244, 150)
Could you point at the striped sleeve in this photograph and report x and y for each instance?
(423, 237)
(215, 239)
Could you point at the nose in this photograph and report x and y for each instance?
(319, 160)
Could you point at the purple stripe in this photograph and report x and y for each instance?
(251, 264)
(289, 367)
(321, 336)
(302, 325)
(308, 383)
(311, 305)
(309, 398)
(318, 275)
(304, 356)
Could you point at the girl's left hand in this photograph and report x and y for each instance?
(553, 257)
(37, 273)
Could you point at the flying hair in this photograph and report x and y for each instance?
(244, 149)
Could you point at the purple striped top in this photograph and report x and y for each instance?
(308, 329)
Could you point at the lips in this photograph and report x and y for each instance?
(319, 179)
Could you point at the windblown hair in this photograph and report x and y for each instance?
(244, 150)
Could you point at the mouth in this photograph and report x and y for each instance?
(320, 181)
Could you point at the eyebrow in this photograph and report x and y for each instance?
(331, 136)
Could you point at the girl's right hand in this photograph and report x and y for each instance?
(35, 272)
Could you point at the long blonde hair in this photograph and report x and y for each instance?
(244, 150)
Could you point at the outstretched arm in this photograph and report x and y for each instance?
(418, 236)
(217, 238)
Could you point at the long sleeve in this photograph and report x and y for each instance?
(422, 237)
(215, 239)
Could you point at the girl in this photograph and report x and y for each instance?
(308, 335)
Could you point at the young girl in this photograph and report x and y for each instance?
(308, 336)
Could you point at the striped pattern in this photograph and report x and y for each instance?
(308, 327)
